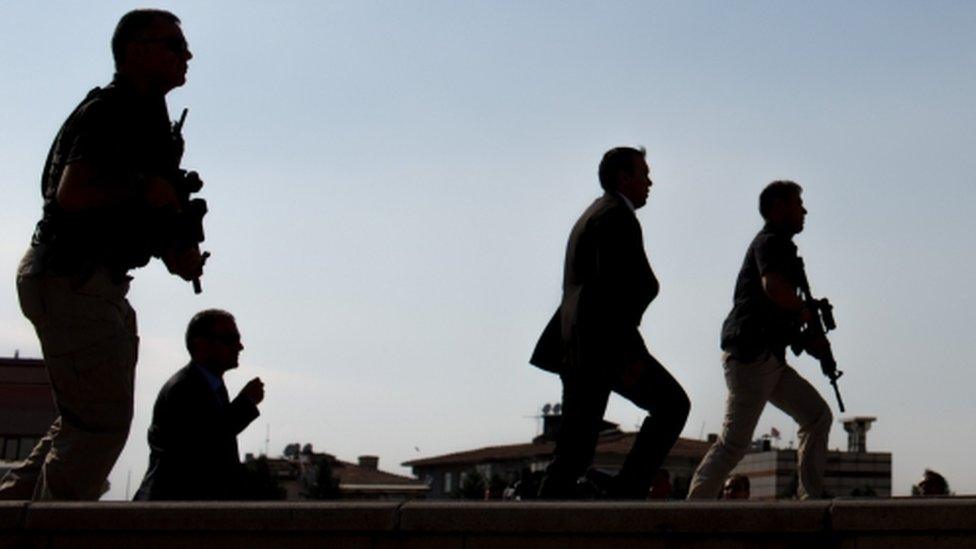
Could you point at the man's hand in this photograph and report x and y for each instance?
(187, 263)
(254, 391)
(818, 347)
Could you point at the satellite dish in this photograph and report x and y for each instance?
(557, 409)
(546, 409)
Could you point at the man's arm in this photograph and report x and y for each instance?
(80, 188)
(83, 188)
(783, 294)
(244, 409)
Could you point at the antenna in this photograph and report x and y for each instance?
(267, 438)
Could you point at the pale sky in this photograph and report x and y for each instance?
(391, 187)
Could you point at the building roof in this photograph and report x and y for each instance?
(352, 474)
(23, 371)
(612, 443)
(17, 360)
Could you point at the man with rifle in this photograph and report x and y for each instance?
(114, 197)
(767, 316)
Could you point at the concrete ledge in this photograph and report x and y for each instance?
(509, 525)
(226, 516)
(616, 517)
(12, 514)
(905, 515)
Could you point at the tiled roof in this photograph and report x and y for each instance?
(23, 362)
(350, 473)
(616, 443)
(347, 473)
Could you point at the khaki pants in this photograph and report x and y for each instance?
(88, 338)
(751, 385)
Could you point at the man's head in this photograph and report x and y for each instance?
(781, 205)
(933, 484)
(213, 340)
(736, 487)
(149, 46)
(624, 170)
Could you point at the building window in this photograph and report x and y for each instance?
(448, 483)
(26, 445)
(10, 449)
(14, 448)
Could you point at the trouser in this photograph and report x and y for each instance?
(89, 341)
(644, 382)
(751, 385)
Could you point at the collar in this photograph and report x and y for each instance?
(627, 202)
(769, 228)
(214, 381)
(152, 101)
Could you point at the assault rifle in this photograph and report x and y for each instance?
(189, 228)
(822, 322)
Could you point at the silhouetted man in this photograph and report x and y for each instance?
(932, 485)
(765, 318)
(193, 436)
(108, 208)
(594, 344)
(736, 487)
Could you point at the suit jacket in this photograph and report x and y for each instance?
(607, 285)
(193, 441)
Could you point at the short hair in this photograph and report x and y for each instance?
(202, 324)
(617, 161)
(940, 486)
(775, 191)
(132, 25)
(738, 482)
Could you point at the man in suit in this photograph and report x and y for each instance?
(193, 436)
(593, 341)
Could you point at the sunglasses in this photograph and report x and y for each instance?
(175, 44)
(226, 339)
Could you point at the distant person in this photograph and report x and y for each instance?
(594, 344)
(193, 436)
(736, 487)
(661, 487)
(763, 321)
(932, 484)
(108, 208)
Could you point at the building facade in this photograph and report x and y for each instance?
(854, 473)
(26, 408)
(299, 474)
(506, 465)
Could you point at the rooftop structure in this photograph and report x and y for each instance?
(297, 473)
(26, 407)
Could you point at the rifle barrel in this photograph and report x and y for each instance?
(840, 401)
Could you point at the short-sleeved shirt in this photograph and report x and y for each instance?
(755, 323)
(124, 136)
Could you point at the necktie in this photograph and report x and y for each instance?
(222, 395)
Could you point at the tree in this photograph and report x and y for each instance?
(319, 482)
(472, 486)
(259, 483)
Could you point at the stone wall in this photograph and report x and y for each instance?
(853, 524)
